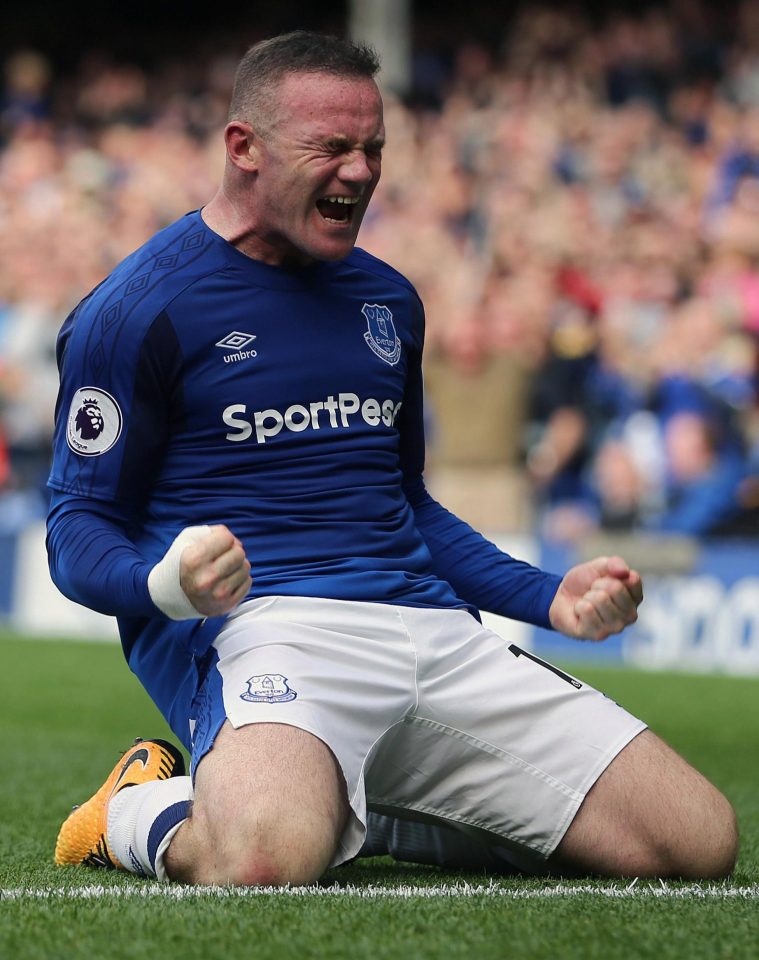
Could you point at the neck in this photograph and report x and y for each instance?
(223, 216)
(226, 217)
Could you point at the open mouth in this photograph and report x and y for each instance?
(337, 209)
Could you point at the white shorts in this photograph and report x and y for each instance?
(429, 714)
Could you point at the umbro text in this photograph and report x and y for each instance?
(240, 355)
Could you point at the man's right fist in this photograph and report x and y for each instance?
(204, 573)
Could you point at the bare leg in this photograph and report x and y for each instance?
(270, 806)
(651, 814)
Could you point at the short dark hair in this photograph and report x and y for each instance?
(301, 51)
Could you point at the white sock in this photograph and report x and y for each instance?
(142, 821)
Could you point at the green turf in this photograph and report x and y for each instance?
(67, 708)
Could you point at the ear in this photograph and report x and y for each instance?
(242, 145)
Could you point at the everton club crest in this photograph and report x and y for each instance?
(268, 688)
(381, 335)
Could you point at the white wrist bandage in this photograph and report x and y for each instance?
(163, 580)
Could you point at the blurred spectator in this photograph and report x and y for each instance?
(24, 97)
(621, 487)
(704, 476)
(738, 167)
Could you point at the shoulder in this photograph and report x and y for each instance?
(142, 286)
(361, 260)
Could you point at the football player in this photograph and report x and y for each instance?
(238, 477)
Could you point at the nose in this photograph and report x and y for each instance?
(355, 168)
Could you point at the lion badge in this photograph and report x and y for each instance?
(94, 422)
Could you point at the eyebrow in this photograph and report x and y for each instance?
(341, 142)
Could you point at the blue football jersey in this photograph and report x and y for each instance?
(199, 386)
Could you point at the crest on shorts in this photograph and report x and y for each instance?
(381, 336)
(268, 688)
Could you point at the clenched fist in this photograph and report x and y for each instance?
(204, 573)
(597, 599)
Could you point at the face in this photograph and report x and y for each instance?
(315, 169)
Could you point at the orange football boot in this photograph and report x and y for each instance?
(82, 838)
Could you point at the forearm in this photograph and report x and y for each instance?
(93, 562)
(479, 572)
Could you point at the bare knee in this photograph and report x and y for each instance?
(270, 806)
(652, 814)
(273, 854)
(725, 843)
(256, 870)
(703, 847)
(261, 848)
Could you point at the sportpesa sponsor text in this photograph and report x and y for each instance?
(330, 413)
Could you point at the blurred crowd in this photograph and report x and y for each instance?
(577, 203)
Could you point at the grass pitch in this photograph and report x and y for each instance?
(67, 709)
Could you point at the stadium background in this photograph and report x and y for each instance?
(573, 188)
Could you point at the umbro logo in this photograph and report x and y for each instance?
(237, 341)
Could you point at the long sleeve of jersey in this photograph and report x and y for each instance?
(93, 562)
(479, 572)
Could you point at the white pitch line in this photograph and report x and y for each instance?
(634, 891)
